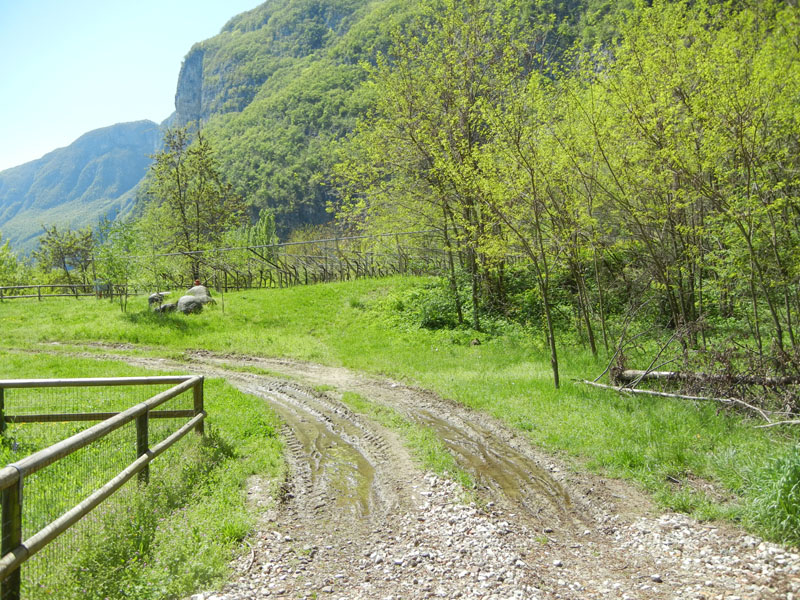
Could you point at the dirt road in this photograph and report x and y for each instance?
(359, 519)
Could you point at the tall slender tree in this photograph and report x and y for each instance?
(189, 196)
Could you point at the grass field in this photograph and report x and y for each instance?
(692, 457)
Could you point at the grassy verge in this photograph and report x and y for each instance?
(165, 539)
(691, 457)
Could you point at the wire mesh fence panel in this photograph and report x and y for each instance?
(58, 487)
(76, 400)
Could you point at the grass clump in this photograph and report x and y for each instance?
(775, 503)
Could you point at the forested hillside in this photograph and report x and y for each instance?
(276, 87)
(282, 83)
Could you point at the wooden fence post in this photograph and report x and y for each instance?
(198, 405)
(143, 443)
(12, 537)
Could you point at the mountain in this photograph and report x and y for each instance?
(92, 178)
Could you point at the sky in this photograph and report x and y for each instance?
(70, 66)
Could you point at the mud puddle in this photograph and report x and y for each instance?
(334, 468)
(498, 467)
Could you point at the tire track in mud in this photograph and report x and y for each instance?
(502, 472)
(342, 468)
(339, 463)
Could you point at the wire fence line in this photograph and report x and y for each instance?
(301, 262)
(64, 290)
(339, 258)
(67, 468)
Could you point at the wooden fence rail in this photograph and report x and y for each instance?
(65, 290)
(14, 550)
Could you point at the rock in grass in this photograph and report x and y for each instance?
(190, 304)
(200, 291)
(194, 299)
(165, 308)
(157, 298)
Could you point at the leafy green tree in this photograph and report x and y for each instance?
(521, 183)
(9, 265)
(69, 251)
(420, 147)
(191, 203)
(119, 256)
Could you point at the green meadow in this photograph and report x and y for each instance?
(695, 457)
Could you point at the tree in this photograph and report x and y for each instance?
(190, 199)
(118, 256)
(69, 251)
(521, 188)
(9, 265)
(421, 146)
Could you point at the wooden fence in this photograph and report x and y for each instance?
(63, 290)
(15, 550)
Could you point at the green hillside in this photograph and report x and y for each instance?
(277, 86)
(92, 178)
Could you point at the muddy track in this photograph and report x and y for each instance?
(340, 465)
(325, 433)
(360, 520)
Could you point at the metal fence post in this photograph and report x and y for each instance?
(143, 443)
(198, 405)
(12, 537)
(2, 410)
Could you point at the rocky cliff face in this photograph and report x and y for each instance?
(225, 73)
(278, 87)
(76, 186)
(189, 94)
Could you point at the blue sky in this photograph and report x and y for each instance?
(70, 66)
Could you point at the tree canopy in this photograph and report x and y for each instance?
(660, 168)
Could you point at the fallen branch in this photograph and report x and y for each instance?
(736, 401)
(792, 422)
(632, 375)
(651, 366)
